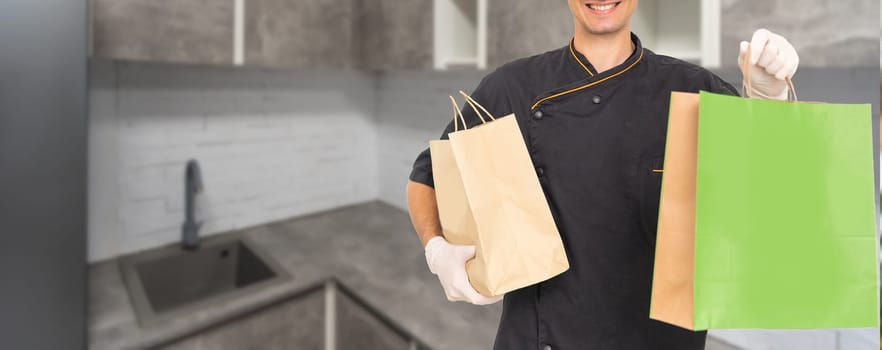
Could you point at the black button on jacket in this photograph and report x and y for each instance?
(595, 139)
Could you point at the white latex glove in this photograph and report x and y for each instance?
(448, 262)
(772, 59)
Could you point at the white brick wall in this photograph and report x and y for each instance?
(413, 108)
(271, 145)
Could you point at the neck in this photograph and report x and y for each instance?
(604, 51)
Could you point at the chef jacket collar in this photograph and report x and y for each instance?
(592, 78)
(579, 59)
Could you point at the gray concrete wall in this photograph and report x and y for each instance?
(182, 31)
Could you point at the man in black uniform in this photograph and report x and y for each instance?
(594, 116)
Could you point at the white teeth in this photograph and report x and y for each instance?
(602, 7)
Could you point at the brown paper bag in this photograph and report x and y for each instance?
(457, 223)
(517, 242)
(672, 281)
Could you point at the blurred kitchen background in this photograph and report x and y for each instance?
(303, 118)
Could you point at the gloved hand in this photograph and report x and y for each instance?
(447, 261)
(772, 59)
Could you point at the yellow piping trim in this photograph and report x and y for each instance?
(589, 84)
(572, 52)
(658, 170)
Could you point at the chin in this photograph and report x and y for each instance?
(602, 17)
(604, 30)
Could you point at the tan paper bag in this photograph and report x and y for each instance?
(672, 281)
(517, 242)
(457, 223)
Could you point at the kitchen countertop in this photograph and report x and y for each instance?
(370, 247)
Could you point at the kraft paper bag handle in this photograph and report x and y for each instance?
(475, 105)
(747, 89)
(456, 113)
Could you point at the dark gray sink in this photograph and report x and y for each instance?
(170, 280)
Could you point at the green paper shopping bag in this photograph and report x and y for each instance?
(784, 215)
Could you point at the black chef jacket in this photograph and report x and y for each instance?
(597, 142)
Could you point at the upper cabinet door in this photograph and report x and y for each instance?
(301, 33)
(522, 28)
(180, 31)
(291, 34)
(395, 34)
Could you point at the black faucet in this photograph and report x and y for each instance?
(192, 185)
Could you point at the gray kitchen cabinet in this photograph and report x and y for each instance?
(291, 34)
(301, 34)
(358, 328)
(395, 34)
(329, 312)
(361, 34)
(179, 31)
(521, 28)
(295, 324)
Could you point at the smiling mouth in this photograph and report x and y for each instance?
(603, 8)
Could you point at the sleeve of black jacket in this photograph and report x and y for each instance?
(717, 85)
(490, 93)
